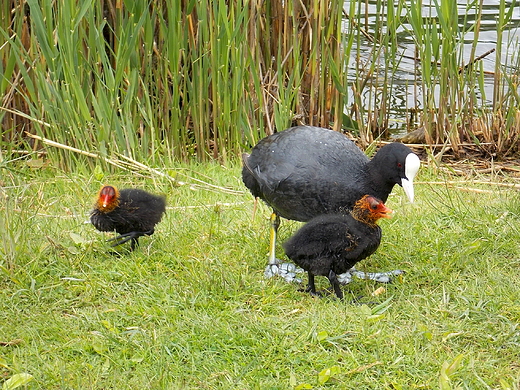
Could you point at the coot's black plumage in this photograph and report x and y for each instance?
(130, 212)
(331, 244)
(306, 171)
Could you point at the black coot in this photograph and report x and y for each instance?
(332, 244)
(306, 171)
(130, 212)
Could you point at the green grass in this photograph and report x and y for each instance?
(190, 309)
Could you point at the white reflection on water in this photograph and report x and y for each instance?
(405, 93)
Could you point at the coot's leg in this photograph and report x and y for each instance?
(381, 277)
(254, 208)
(275, 224)
(335, 284)
(287, 271)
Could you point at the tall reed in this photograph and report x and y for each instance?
(205, 79)
(455, 109)
(377, 59)
(170, 79)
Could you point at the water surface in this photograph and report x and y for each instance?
(406, 90)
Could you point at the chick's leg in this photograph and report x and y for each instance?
(335, 284)
(133, 236)
(311, 286)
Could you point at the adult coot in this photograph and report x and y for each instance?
(332, 244)
(306, 171)
(130, 212)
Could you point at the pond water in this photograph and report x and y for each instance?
(406, 91)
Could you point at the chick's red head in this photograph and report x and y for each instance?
(370, 209)
(108, 199)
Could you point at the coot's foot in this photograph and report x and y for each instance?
(381, 277)
(287, 271)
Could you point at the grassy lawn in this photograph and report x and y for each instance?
(191, 309)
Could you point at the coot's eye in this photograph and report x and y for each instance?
(399, 165)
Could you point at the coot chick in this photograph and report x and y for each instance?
(332, 244)
(130, 212)
(305, 171)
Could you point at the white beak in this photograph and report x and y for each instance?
(411, 166)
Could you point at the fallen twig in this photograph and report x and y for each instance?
(458, 183)
(218, 204)
(480, 57)
(128, 163)
(12, 342)
(359, 369)
(477, 190)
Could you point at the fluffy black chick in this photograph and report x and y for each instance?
(331, 244)
(131, 212)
